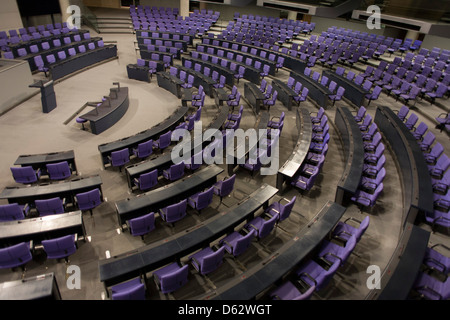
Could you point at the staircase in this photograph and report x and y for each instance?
(114, 25)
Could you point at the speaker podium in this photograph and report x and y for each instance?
(48, 97)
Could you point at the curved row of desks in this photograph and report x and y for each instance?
(153, 133)
(402, 269)
(317, 92)
(236, 52)
(251, 73)
(239, 154)
(415, 177)
(226, 72)
(353, 92)
(304, 127)
(255, 281)
(150, 257)
(160, 34)
(140, 40)
(55, 50)
(174, 192)
(351, 139)
(38, 42)
(293, 63)
(164, 161)
(285, 94)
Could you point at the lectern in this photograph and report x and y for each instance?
(48, 96)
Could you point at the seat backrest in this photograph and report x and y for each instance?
(174, 280)
(49, 206)
(145, 149)
(205, 198)
(24, 174)
(60, 245)
(287, 209)
(120, 157)
(15, 255)
(148, 180)
(176, 211)
(267, 227)
(165, 139)
(213, 261)
(10, 212)
(88, 200)
(227, 185)
(59, 170)
(141, 224)
(243, 243)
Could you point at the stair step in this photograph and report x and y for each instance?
(116, 32)
(113, 22)
(106, 18)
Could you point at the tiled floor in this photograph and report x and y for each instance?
(25, 130)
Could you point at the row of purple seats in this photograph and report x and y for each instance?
(47, 45)
(407, 84)
(308, 172)
(43, 66)
(47, 207)
(174, 52)
(371, 184)
(166, 36)
(54, 171)
(18, 255)
(34, 36)
(297, 86)
(141, 8)
(142, 151)
(238, 70)
(167, 44)
(254, 161)
(392, 45)
(173, 276)
(263, 68)
(336, 92)
(219, 79)
(316, 272)
(438, 163)
(264, 52)
(31, 30)
(432, 282)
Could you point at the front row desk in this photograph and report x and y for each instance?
(110, 111)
